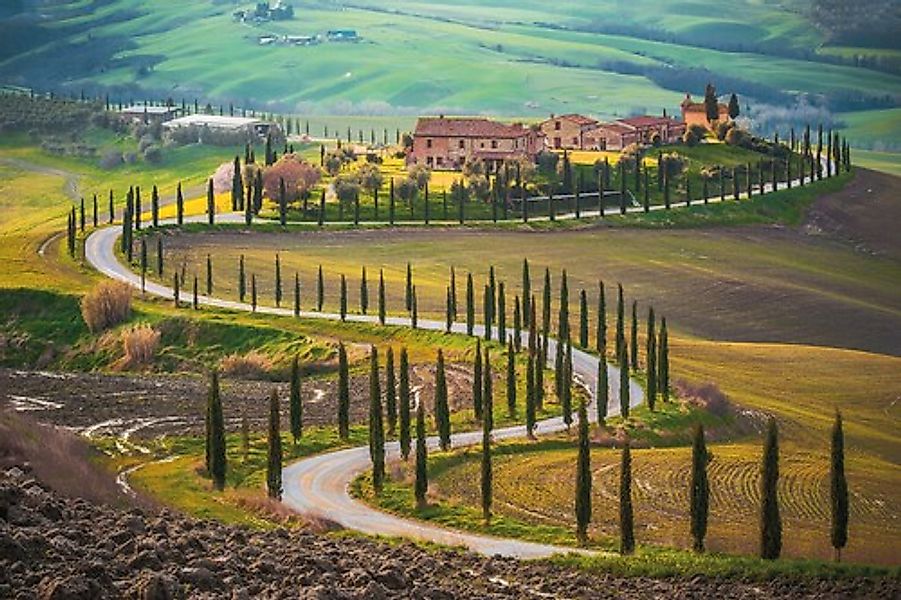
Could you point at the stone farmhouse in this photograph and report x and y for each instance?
(695, 113)
(446, 143)
(577, 132)
(567, 132)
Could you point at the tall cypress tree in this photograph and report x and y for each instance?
(620, 320)
(282, 203)
(626, 525)
(343, 298)
(486, 311)
(663, 362)
(477, 382)
(296, 294)
(602, 392)
(583, 478)
(770, 520)
(442, 412)
(624, 392)
(390, 392)
(237, 185)
(376, 423)
(195, 303)
(700, 489)
(486, 474)
(583, 319)
(601, 341)
(154, 206)
(320, 289)
(274, 462)
(651, 371)
(112, 208)
(343, 394)
(470, 305)
(633, 348)
(501, 312)
(382, 299)
(404, 405)
(242, 280)
(364, 291)
(422, 477)
(414, 314)
(253, 292)
(530, 396)
(179, 205)
(546, 310)
(210, 203)
(526, 286)
(278, 280)
(517, 324)
(487, 391)
(408, 290)
(453, 294)
(296, 406)
(511, 379)
(566, 385)
(95, 215)
(838, 489)
(136, 215)
(217, 460)
(209, 275)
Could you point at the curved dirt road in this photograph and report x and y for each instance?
(318, 486)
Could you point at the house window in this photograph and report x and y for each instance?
(557, 142)
(575, 141)
(462, 144)
(428, 143)
(556, 125)
(494, 144)
(440, 160)
(482, 145)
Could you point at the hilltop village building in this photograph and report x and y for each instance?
(695, 113)
(577, 132)
(446, 143)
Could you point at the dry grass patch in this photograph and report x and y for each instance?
(108, 304)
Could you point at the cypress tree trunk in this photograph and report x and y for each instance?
(382, 299)
(390, 392)
(583, 478)
(404, 405)
(583, 319)
(218, 463)
(663, 363)
(343, 394)
(700, 489)
(624, 392)
(422, 476)
(838, 489)
(626, 525)
(651, 370)
(343, 298)
(376, 424)
(633, 348)
(470, 305)
(320, 289)
(274, 462)
(770, 520)
(477, 382)
(442, 412)
(296, 407)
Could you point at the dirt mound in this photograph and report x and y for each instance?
(866, 213)
(62, 548)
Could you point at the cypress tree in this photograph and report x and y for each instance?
(517, 324)
(602, 392)
(546, 313)
(414, 316)
(453, 294)
(620, 321)
(274, 462)
(217, 460)
(237, 186)
(487, 391)
(770, 520)
(282, 202)
(278, 280)
(253, 291)
(382, 301)
(176, 292)
(194, 302)
(530, 396)
(159, 256)
(583, 478)
(143, 261)
(539, 373)
(477, 382)
(486, 310)
(700, 489)
(296, 406)
(210, 203)
(601, 342)
(404, 405)
(422, 477)
(296, 294)
(408, 290)
(320, 289)
(511, 379)
(838, 489)
(448, 316)
(651, 370)
(136, 215)
(391, 203)
(633, 348)
(81, 216)
(501, 313)
(112, 208)
(470, 305)
(343, 394)
(209, 275)
(248, 206)
(442, 412)
(624, 392)
(663, 362)
(626, 525)
(390, 392)
(647, 190)
(566, 385)
(320, 217)
(583, 319)
(376, 424)
(364, 292)
(486, 474)
(343, 298)
(526, 286)
(242, 280)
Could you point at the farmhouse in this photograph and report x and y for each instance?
(446, 143)
(257, 126)
(695, 113)
(645, 129)
(568, 131)
(150, 114)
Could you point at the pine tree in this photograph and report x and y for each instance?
(242, 280)
(382, 299)
(626, 525)
(838, 489)
(602, 392)
(651, 370)
(296, 406)
(700, 489)
(274, 462)
(422, 477)
(477, 382)
(624, 392)
(601, 342)
(343, 394)
(343, 298)
(404, 405)
(442, 412)
(511, 379)
(583, 319)
(210, 203)
(583, 478)
(320, 289)
(770, 520)
(390, 392)
(633, 348)
(217, 460)
(470, 305)
(663, 362)
(376, 423)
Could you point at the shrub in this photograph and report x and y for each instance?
(253, 365)
(693, 135)
(347, 188)
(723, 128)
(299, 176)
(737, 137)
(153, 154)
(111, 159)
(420, 174)
(675, 164)
(145, 142)
(547, 162)
(140, 344)
(106, 305)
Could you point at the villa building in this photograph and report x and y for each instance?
(695, 113)
(447, 143)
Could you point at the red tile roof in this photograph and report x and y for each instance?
(614, 127)
(467, 127)
(647, 121)
(575, 118)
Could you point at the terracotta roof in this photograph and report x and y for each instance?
(467, 127)
(575, 118)
(614, 127)
(647, 121)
